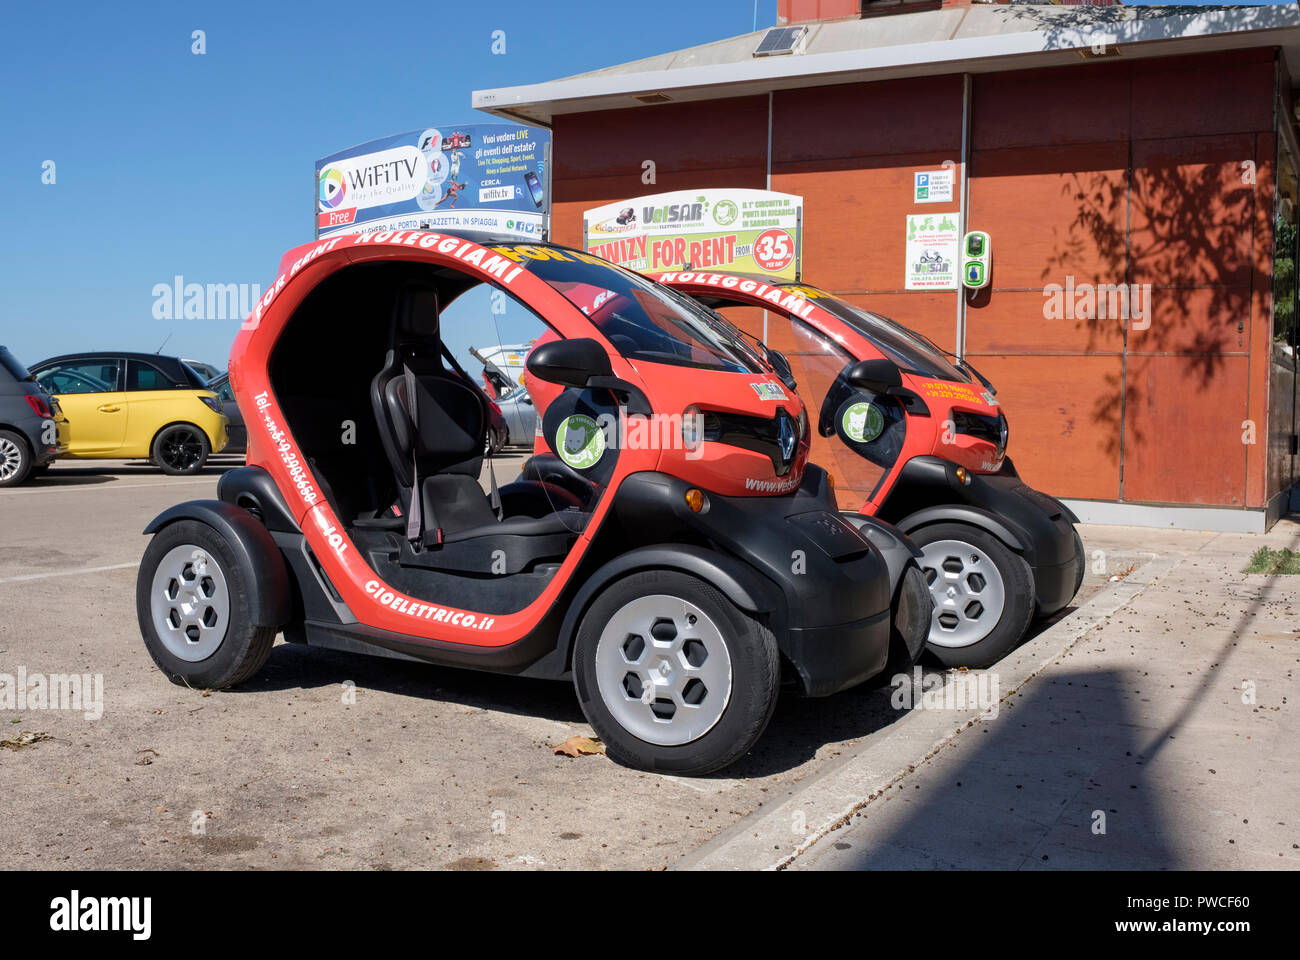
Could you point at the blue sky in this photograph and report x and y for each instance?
(168, 163)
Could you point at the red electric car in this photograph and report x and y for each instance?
(922, 442)
(676, 583)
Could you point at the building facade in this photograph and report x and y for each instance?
(1136, 172)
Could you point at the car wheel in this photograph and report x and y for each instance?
(983, 594)
(672, 676)
(15, 459)
(181, 449)
(191, 599)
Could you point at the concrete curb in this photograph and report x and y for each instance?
(769, 839)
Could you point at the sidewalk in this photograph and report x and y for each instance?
(1121, 740)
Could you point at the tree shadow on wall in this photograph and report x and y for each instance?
(1176, 233)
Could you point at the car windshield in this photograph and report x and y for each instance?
(640, 318)
(911, 351)
(11, 364)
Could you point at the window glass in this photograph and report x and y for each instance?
(81, 376)
(145, 376)
(638, 317)
(911, 351)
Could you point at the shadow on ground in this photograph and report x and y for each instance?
(1028, 792)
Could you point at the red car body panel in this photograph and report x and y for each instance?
(925, 435)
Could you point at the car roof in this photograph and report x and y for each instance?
(107, 355)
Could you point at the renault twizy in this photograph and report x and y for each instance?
(677, 586)
(922, 442)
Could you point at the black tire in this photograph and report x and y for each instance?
(180, 449)
(755, 669)
(15, 459)
(909, 626)
(241, 649)
(1018, 596)
(1080, 561)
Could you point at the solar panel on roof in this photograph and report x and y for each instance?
(779, 40)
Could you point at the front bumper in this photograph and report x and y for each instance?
(1040, 528)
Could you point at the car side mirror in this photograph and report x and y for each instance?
(782, 367)
(570, 363)
(874, 376)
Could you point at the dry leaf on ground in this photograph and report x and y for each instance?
(577, 746)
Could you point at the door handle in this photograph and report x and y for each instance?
(109, 408)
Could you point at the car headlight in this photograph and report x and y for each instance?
(213, 404)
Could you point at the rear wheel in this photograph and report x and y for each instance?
(15, 459)
(181, 449)
(983, 594)
(672, 676)
(191, 601)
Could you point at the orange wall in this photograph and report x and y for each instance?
(1129, 179)
(1108, 172)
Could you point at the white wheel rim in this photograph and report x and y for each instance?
(11, 459)
(663, 670)
(190, 603)
(967, 590)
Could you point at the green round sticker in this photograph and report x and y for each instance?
(725, 212)
(580, 442)
(863, 422)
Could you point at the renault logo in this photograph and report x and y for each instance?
(787, 436)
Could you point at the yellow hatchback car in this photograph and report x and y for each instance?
(128, 405)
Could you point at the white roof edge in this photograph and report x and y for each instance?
(1215, 21)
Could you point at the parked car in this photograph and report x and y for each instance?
(205, 370)
(127, 405)
(33, 429)
(664, 589)
(519, 417)
(235, 428)
(923, 441)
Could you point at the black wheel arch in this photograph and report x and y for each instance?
(732, 578)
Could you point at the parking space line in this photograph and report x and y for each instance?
(106, 486)
(69, 573)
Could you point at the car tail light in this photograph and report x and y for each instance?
(39, 406)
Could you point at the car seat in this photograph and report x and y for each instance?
(433, 424)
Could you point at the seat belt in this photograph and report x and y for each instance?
(415, 512)
(494, 498)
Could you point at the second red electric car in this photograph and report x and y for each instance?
(922, 442)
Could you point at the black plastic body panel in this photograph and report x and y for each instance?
(892, 543)
(252, 488)
(1038, 527)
